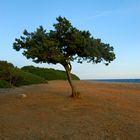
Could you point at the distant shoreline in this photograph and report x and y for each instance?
(114, 80)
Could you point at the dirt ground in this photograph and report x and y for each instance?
(106, 111)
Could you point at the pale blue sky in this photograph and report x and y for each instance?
(114, 21)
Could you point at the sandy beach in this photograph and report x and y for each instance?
(105, 111)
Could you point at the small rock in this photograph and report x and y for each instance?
(22, 95)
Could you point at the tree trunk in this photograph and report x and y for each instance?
(74, 94)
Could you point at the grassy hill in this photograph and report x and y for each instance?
(48, 74)
(11, 76)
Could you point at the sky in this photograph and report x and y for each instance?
(116, 22)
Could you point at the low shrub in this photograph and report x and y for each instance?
(4, 84)
(13, 76)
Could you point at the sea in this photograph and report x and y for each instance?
(117, 80)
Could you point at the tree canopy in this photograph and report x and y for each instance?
(62, 45)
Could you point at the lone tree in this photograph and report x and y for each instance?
(63, 45)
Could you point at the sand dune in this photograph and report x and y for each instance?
(106, 111)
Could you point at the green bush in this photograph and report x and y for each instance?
(12, 76)
(4, 84)
(17, 77)
(6, 71)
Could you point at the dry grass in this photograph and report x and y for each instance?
(106, 111)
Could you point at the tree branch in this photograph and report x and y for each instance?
(70, 67)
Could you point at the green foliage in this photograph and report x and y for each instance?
(26, 78)
(7, 71)
(48, 74)
(13, 76)
(63, 44)
(4, 84)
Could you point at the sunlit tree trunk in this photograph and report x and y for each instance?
(75, 93)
